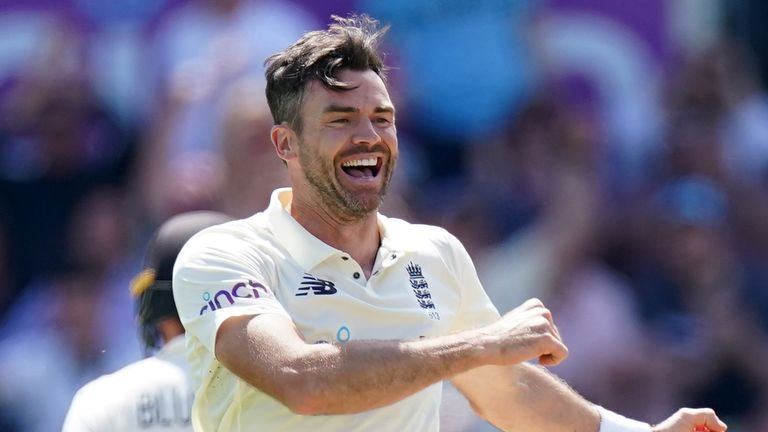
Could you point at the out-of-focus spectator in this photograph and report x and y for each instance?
(548, 164)
(99, 240)
(744, 20)
(57, 357)
(156, 392)
(6, 272)
(199, 50)
(716, 127)
(57, 141)
(719, 89)
(201, 46)
(692, 246)
(474, 69)
(55, 337)
(701, 304)
(545, 163)
(608, 59)
(251, 169)
(543, 169)
(117, 40)
(598, 315)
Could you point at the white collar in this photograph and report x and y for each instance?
(308, 250)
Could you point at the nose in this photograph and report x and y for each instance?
(366, 133)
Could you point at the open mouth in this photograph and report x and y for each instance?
(363, 168)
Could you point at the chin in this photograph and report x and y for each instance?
(359, 205)
(368, 204)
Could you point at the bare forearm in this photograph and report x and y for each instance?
(363, 375)
(341, 378)
(267, 352)
(525, 397)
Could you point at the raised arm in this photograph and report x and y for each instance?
(268, 352)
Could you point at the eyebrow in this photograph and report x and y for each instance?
(333, 108)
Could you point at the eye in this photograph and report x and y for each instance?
(382, 121)
(340, 121)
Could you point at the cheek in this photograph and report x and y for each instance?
(328, 141)
(317, 158)
(390, 138)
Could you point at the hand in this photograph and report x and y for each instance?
(524, 333)
(691, 420)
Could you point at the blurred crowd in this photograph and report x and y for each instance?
(610, 158)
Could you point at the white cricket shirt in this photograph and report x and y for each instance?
(423, 284)
(153, 394)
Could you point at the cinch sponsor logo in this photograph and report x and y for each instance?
(248, 289)
(316, 285)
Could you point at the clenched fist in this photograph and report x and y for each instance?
(692, 420)
(525, 333)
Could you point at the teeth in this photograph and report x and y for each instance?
(360, 162)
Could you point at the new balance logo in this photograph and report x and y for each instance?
(316, 285)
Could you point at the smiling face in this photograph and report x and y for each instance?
(344, 157)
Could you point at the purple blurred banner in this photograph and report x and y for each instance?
(646, 18)
(91, 12)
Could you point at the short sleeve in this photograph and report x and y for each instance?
(218, 275)
(476, 308)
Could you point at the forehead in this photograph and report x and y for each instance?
(369, 92)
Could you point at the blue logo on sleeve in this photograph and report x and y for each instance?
(248, 289)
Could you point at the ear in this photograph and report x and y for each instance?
(285, 140)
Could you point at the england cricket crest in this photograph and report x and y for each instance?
(421, 290)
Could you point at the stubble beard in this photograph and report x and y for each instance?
(323, 178)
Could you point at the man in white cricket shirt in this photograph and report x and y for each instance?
(153, 394)
(321, 314)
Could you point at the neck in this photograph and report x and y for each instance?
(170, 328)
(359, 238)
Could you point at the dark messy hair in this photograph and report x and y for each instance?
(349, 43)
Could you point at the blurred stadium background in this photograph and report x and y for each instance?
(608, 157)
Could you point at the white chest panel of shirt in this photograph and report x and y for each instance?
(422, 285)
(328, 303)
(153, 394)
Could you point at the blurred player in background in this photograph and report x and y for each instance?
(154, 393)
